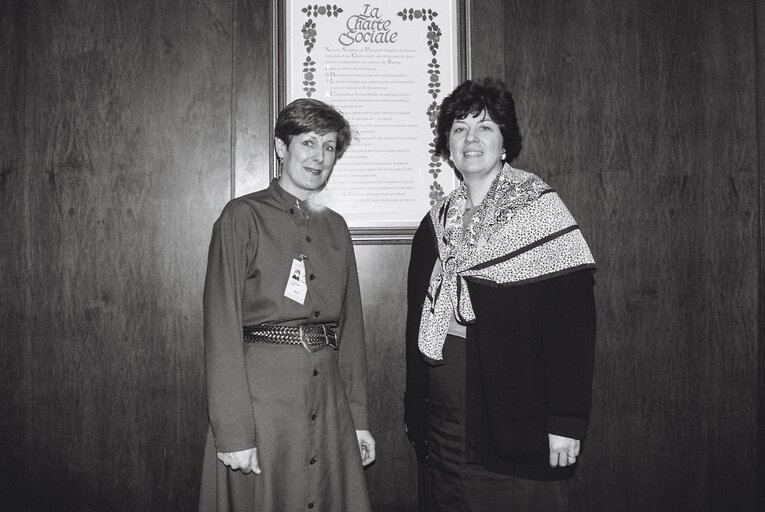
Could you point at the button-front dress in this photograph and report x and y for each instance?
(300, 409)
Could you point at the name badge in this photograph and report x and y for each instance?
(296, 286)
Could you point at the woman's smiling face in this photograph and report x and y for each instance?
(475, 145)
(307, 162)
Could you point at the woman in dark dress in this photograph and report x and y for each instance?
(500, 325)
(284, 338)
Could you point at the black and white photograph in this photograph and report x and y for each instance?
(382, 256)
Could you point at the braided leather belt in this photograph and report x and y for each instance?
(313, 337)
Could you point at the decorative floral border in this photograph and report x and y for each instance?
(433, 37)
(309, 40)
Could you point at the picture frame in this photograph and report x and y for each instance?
(386, 66)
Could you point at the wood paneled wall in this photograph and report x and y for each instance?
(14, 280)
(252, 94)
(121, 155)
(382, 273)
(126, 128)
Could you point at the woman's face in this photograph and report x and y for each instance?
(475, 144)
(307, 162)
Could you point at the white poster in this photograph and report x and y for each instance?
(386, 66)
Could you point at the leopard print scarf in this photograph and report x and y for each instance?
(521, 233)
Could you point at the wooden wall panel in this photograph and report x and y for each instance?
(14, 286)
(253, 79)
(128, 160)
(487, 38)
(642, 115)
(759, 37)
(382, 269)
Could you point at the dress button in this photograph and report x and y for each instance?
(308, 239)
(312, 277)
(313, 417)
(310, 505)
(316, 314)
(292, 211)
(315, 373)
(313, 461)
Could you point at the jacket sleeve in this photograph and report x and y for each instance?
(352, 355)
(422, 259)
(568, 339)
(233, 244)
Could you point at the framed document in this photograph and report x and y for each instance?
(386, 65)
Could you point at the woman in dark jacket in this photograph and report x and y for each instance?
(500, 325)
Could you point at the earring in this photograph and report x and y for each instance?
(504, 155)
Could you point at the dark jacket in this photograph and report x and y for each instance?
(529, 363)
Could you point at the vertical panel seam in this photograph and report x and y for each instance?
(466, 45)
(276, 91)
(232, 105)
(27, 372)
(758, 104)
(501, 15)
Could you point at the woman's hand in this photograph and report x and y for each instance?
(366, 446)
(563, 450)
(246, 460)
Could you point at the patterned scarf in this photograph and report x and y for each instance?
(522, 232)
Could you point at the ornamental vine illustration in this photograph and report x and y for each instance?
(432, 38)
(309, 40)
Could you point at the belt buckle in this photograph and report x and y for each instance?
(310, 347)
(330, 336)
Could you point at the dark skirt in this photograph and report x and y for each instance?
(449, 482)
(306, 440)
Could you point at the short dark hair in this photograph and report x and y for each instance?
(305, 115)
(471, 98)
